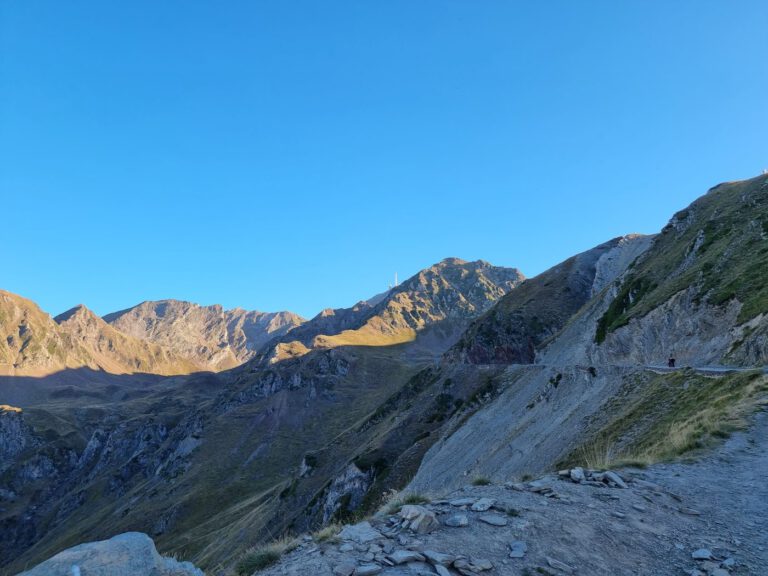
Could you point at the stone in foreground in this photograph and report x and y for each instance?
(361, 533)
(128, 554)
(457, 520)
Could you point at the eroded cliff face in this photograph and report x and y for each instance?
(536, 419)
(515, 328)
(16, 436)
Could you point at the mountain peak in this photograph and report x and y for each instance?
(79, 310)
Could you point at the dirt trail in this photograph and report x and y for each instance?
(730, 489)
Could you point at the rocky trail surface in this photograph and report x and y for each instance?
(706, 518)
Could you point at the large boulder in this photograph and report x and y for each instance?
(129, 554)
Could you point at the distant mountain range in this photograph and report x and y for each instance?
(175, 337)
(211, 337)
(165, 337)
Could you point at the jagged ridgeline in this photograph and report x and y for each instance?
(453, 375)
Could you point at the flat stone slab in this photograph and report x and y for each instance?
(483, 504)
(494, 519)
(361, 533)
(517, 548)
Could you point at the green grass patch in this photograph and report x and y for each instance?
(481, 481)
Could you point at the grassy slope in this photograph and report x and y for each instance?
(658, 416)
(718, 244)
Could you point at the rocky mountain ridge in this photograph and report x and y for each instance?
(439, 300)
(210, 336)
(165, 338)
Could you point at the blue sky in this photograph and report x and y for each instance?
(294, 155)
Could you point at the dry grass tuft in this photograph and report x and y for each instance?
(261, 557)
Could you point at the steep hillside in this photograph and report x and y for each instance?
(205, 463)
(30, 341)
(701, 292)
(207, 335)
(436, 303)
(512, 330)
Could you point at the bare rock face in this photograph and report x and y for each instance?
(15, 436)
(512, 331)
(210, 336)
(128, 554)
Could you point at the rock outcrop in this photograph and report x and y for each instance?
(514, 329)
(129, 554)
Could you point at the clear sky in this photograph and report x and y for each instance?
(294, 155)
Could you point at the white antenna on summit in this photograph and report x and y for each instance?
(396, 284)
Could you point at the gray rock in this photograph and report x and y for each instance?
(405, 556)
(442, 570)
(128, 554)
(557, 565)
(494, 520)
(480, 564)
(614, 478)
(719, 572)
(361, 533)
(346, 568)
(728, 563)
(518, 548)
(438, 558)
(346, 547)
(577, 474)
(701, 554)
(368, 570)
(457, 520)
(483, 504)
(462, 502)
(419, 519)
